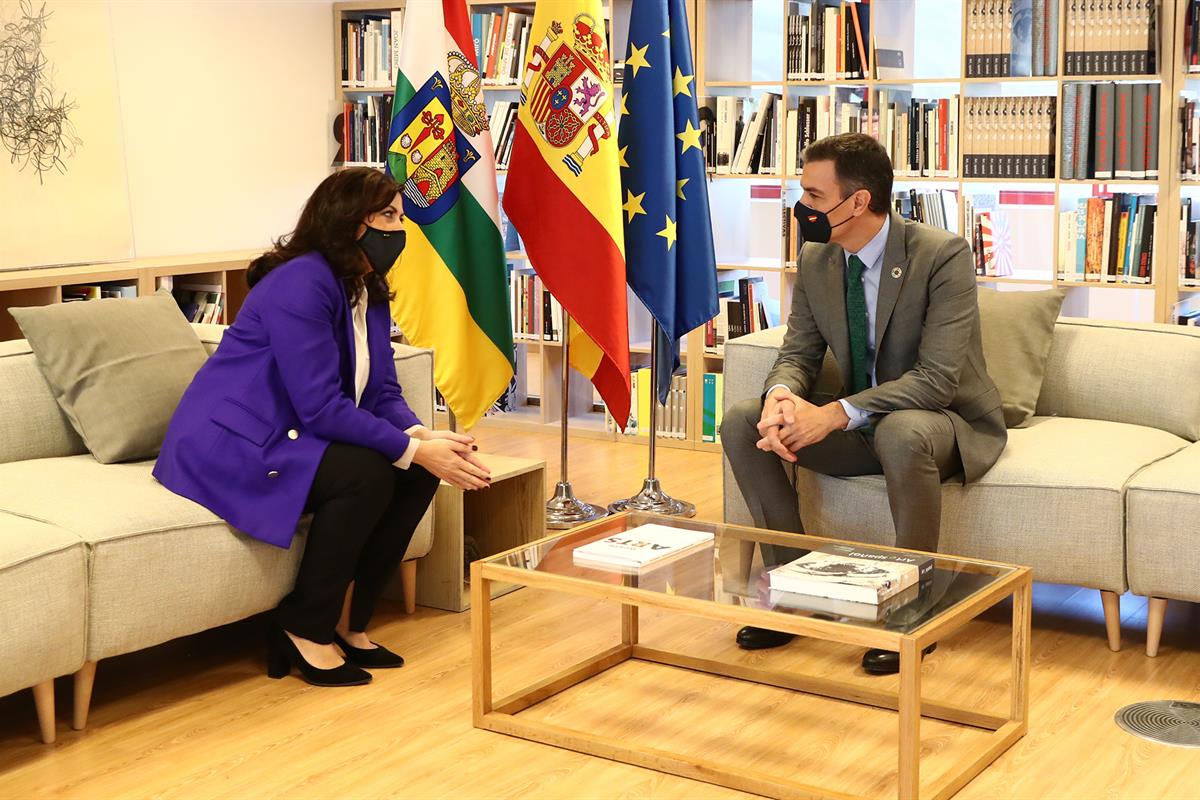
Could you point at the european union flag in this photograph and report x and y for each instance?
(668, 232)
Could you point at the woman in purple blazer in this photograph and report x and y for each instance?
(299, 411)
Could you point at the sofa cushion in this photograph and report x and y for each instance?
(161, 565)
(43, 574)
(117, 368)
(1017, 328)
(1142, 374)
(1162, 507)
(32, 425)
(1054, 501)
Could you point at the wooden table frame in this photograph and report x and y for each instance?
(502, 715)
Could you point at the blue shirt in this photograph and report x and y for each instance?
(871, 255)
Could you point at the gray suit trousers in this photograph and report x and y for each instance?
(914, 450)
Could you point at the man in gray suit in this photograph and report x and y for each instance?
(894, 301)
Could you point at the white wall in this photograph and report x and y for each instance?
(226, 108)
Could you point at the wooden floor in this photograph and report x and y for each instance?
(198, 718)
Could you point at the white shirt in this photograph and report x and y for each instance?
(871, 255)
(362, 370)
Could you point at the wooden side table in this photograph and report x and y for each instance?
(509, 514)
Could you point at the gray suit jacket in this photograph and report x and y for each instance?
(928, 349)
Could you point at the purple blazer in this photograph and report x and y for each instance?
(253, 425)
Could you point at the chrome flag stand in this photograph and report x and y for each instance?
(652, 499)
(564, 510)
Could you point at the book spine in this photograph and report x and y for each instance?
(1083, 133)
(1103, 140)
(1081, 239)
(1050, 43)
(1153, 109)
(1038, 44)
(1070, 110)
(1123, 145)
(1139, 124)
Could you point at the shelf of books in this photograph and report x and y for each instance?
(209, 287)
(1034, 128)
(1047, 132)
(366, 40)
(1184, 302)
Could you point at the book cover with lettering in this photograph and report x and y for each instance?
(640, 547)
(852, 572)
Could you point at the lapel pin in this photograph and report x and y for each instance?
(897, 272)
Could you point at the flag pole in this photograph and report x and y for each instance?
(652, 499)
(564, 510)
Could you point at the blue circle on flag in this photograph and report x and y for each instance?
(561, 96)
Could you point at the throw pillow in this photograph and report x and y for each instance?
(1017, 329)
(117, 368)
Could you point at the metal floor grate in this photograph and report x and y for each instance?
(1172, 722)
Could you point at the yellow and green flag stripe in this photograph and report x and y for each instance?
(451, 282)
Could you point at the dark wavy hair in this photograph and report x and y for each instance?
(329, 225)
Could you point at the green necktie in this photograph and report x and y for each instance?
(856, 318)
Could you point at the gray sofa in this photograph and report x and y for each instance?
(1100, 489)
(98, 560)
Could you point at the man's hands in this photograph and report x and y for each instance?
(790, 422)
(451, 457)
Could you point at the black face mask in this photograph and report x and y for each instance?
(814, 224)
(382, 248)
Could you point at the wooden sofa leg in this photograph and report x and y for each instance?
(43, 698)
(1112, 618)
(1154, 624)
(408, 580)
(84, 679)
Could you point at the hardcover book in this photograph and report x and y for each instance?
(852, 572)
(640, 547)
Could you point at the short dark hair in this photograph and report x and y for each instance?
(860, 162)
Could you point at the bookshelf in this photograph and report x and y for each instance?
(44, 285)
(740, 49)
(736, 40)
(538, 395)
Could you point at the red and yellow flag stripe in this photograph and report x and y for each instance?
(563, 191)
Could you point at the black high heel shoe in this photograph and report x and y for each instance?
(372, 658)
(282, 655)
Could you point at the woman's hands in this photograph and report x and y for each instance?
(451, 457)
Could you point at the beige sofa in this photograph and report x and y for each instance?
(98, 560)
(1101, 488)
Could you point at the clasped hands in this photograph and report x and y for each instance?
(451, 457)
(789, 422)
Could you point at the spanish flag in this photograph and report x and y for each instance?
(564, 188)
(450, 284)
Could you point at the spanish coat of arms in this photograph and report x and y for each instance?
(567, 89)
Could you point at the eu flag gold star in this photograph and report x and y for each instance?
(624, 108)
(637, 58)
(690, 136)
(668, 232)
(633, 205)
(679, 188)
(621, 156)
(681, 82)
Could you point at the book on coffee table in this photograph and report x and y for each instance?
(641, 547)
(851, 572)
(845, 609)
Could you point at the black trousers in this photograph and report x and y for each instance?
(365, 511)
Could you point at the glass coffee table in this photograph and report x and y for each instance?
(722, 581)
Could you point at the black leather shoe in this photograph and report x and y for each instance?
(372, 657)
(750, 638)
(282, 655)
(886, 662)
